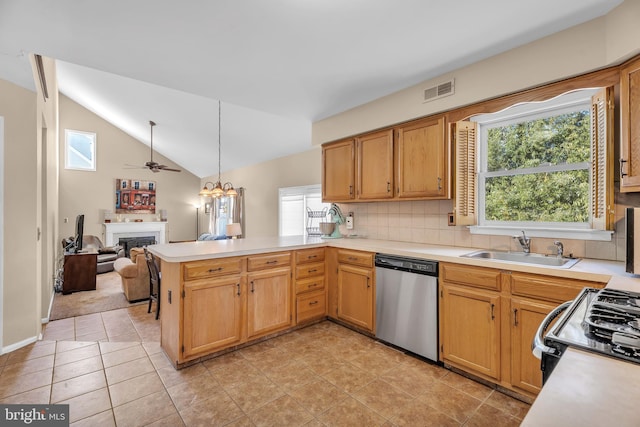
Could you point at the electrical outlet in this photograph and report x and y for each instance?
(350, 221)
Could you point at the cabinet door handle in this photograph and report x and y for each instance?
(252, 287)
(515, 317)
(351, 190)
(368, 284)
(439, 183)
(313, 303)
(388, 187)
(622, 162)
(312, 285)
(492, 313)
(238, 285)
(213, 270)
(272, 262)
(312, 271)
(312, 256)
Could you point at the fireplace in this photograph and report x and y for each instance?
(135, 242)
(114, 231)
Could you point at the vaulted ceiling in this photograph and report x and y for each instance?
(276, 65)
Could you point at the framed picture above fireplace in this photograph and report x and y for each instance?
(135, 196)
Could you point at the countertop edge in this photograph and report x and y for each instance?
(601, 271)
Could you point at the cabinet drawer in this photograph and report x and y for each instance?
(260, 262)
(364, 259)
(211, 268)
(309, 270)
(309, 255)
(556, 289)
(487, 278)
(311, 284)
(310, 305)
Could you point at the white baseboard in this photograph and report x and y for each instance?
(19, 345)
(46, 319)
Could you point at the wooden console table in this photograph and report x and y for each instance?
(79, 272)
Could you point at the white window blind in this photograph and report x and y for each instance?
(293, 204)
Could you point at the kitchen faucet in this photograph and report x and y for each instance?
(560, 246)
(525, 242)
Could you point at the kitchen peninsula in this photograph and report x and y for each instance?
(235, 268)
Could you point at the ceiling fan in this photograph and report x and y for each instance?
(155, 166)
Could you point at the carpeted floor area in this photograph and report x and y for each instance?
(107, 296)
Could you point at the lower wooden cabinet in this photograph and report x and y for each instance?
(526, 316)
(355, 296)
(310, 305)
(268, 301)
(214, 304)
(471, 326)
(488, 318)
(213, 314)
(311, 295)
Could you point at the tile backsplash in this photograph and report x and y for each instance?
(426, 222)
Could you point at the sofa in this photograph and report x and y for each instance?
(106, 255)
(135, 275)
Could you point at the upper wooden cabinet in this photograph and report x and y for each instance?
(338, 171)
(630, 127)
(407, 162)
(375, 165)
(422, 165)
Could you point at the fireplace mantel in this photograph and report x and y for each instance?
(114, 230)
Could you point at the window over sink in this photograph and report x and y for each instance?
(540, 166)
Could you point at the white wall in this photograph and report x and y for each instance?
(21, 312)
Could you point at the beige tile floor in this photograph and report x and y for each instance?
(111, 371)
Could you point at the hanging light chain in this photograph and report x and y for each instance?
(219, 139)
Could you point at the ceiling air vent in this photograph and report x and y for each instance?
(439, 91)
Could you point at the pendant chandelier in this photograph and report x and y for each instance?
(218, 189)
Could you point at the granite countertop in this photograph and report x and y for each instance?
(585, 389)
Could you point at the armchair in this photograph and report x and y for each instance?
(135, 275)
(106, 255)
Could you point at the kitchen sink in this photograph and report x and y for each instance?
(530, 258)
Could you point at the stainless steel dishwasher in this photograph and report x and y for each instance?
(407, 304)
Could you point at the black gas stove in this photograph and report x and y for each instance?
(605, 321)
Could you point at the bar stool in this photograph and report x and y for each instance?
(154, 281)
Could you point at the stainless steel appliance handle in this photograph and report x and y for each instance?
(537, 346)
